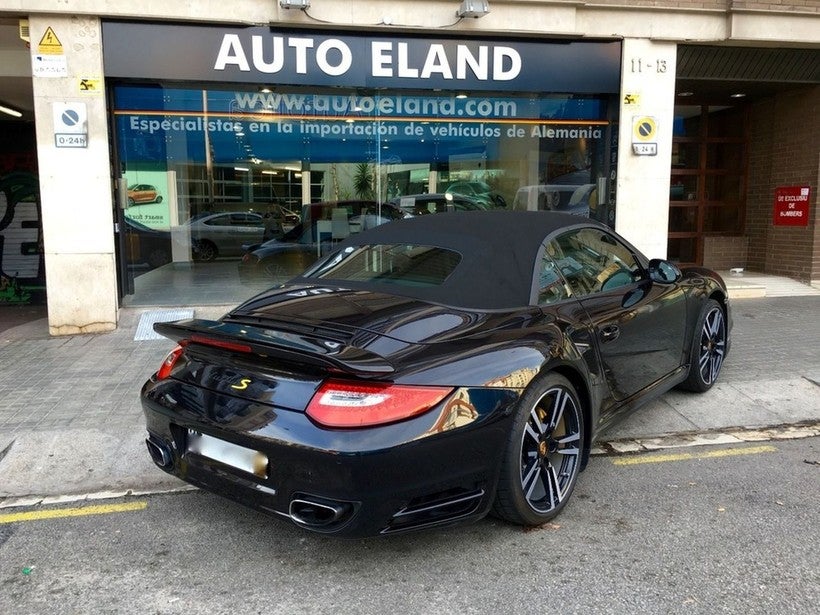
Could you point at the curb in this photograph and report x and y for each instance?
(730, 435)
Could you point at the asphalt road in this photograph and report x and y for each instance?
(726, 530)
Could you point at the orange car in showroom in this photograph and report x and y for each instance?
(139, 194)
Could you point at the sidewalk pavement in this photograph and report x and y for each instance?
(71, 425)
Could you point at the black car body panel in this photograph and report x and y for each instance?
(232, 413)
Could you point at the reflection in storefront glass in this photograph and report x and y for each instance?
(226, 177)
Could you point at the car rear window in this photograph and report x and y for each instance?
(405, 264)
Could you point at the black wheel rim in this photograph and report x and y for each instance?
(207, 252)
(550, 450)
(273, 270)
(712, 345)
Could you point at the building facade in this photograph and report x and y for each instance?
(155, 146)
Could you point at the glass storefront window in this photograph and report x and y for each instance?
(685, 155)
(683, 187)
(687, 121)
(725, 122)
(724, 156)
(253, 186)
(724, 188)
(683, 219)
(683, 249)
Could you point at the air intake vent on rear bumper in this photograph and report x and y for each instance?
(436, 508)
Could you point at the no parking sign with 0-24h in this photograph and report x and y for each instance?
(70, 125)
(644, 135)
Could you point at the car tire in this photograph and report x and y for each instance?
(206, 251)
(544, 453)
(159, 199)
(131, 201)
(708, 349)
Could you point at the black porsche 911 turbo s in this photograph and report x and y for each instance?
(432, 370)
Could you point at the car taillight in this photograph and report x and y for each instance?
(355, 404)
(169, 362)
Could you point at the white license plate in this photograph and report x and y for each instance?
(239, 457)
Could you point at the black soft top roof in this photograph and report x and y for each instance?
(499, 250)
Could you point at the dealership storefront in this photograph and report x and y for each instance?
(166, 140)
(246, 125)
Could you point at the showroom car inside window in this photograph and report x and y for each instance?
(295, 170)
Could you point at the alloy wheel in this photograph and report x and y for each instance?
(550, 450)
(712, 345)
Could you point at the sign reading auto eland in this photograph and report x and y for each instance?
(262, 55)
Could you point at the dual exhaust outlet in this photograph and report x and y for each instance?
(307, 511)
(318, 514)
(159, 451)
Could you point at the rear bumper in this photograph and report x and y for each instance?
(433, 470)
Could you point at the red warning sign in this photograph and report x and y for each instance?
(791, 205)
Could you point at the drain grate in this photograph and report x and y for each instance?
(145, 328)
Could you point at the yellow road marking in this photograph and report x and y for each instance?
(726, 452)
(59, 513)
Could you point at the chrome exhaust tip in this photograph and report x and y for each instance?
(318, 513)
(159, 451)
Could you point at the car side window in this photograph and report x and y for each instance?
(219, 221)
(593, 261)
(246, 220)
(551, 287)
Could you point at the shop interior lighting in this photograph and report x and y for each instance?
(738, 95)
(245, 169)
(10, 111)
(473, 8)
(461, 95)
(295, 4)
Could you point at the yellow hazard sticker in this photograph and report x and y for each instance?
(50, 44)
(90, 86)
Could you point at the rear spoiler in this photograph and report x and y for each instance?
(286, 345)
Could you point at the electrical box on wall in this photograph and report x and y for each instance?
(295, 4)
(23, 29)
(473, 8)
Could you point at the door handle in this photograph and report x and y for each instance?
(610, 333)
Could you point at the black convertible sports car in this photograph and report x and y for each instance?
(432, 370)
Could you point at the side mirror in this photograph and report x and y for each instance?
(663, 272)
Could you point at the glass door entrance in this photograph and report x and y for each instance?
(707, 192)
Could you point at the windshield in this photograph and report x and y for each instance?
(406, 264)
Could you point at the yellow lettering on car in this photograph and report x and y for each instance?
(242, 385)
